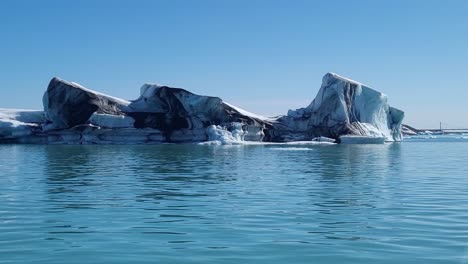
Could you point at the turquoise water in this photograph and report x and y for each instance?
(393, 203)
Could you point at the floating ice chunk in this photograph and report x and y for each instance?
(69, 104)
(16, 123)
(344, 106)
(219, 135)
(13, 129)
(21, 115)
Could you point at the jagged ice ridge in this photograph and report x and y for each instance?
(74, 114)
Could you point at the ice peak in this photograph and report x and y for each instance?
(148, 89)
(332, 75)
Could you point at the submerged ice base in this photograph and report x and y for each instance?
(74, 114)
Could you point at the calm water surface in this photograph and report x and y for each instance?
(393, 203)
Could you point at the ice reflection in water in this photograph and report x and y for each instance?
(234, 204)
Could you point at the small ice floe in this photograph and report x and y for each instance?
(219, 135)
(427, 133)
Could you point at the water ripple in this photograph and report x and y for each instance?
(388, 203)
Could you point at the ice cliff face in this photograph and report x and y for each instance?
(16, 123)
(69, 104)
(74, 114)
(77, 115)
(169, 109)
(342, 107)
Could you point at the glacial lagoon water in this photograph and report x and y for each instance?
(392, 203)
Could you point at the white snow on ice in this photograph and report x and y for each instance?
(119, 100)
(247, 113)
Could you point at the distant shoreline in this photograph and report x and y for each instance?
(435, 130)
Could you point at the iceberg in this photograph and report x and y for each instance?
(218, 135)
(407, 130)
(343, 111)
(17, 123)
(68, 104)
(343, 107)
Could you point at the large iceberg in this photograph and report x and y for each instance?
(68, 104)
(74, 114)
(16, 123)
(342, 107)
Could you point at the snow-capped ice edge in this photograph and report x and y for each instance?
(362, 113)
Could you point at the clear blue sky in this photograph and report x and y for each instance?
(265, 56)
